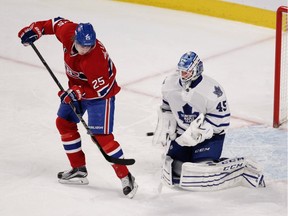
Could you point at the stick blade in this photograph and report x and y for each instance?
(126, 162)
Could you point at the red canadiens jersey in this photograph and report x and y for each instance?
(94, 72)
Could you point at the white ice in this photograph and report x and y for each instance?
(145, 43)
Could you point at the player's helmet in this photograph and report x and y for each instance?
(85, 34)
(190, 67)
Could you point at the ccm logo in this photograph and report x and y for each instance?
(234, 166)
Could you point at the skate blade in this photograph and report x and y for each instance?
(133, 192)
(74, 181)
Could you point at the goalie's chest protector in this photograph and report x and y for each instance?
(186, 105)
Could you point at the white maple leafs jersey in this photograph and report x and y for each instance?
(205, 96)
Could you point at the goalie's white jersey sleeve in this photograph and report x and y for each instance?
(204, 96)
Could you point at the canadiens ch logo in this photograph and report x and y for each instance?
(75, 74)
(187, 116)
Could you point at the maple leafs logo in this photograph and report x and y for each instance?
(218, 91)
(187, 115)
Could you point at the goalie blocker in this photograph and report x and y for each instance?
(211, 176)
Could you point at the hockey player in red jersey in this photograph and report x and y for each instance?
(92, 88)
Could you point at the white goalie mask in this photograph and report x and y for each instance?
(190, 67)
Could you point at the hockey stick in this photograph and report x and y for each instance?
(107, 157)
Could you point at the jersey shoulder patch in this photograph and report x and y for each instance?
(211, 88)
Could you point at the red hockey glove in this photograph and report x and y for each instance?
(30, 34)
(73, 94)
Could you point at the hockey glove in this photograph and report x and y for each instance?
(197, 132)
(72, 94)
(30, 34)
(166, 128)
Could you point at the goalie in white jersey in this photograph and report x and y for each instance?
(192, 123)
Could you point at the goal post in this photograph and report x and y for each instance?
(280, 109)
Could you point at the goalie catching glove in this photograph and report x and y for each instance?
(197, 132)
(166, 128)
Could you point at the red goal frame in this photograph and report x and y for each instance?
(278, 53)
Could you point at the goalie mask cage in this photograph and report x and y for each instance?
(281, 69)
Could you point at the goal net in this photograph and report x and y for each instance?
(281, 69)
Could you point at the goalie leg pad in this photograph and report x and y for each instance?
(216, 176)
(210, 177)
(253, 175)
(166, 175)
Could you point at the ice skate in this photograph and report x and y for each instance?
(129, 186)
(74, 176)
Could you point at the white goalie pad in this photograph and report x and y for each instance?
(225, 174)
(166, 176)
(253, 174)
(165, 129)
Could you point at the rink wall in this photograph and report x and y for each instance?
(217, 8)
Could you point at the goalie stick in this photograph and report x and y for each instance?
(107, 157)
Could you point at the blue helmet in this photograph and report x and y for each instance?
(85, 34)
(190, 63)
